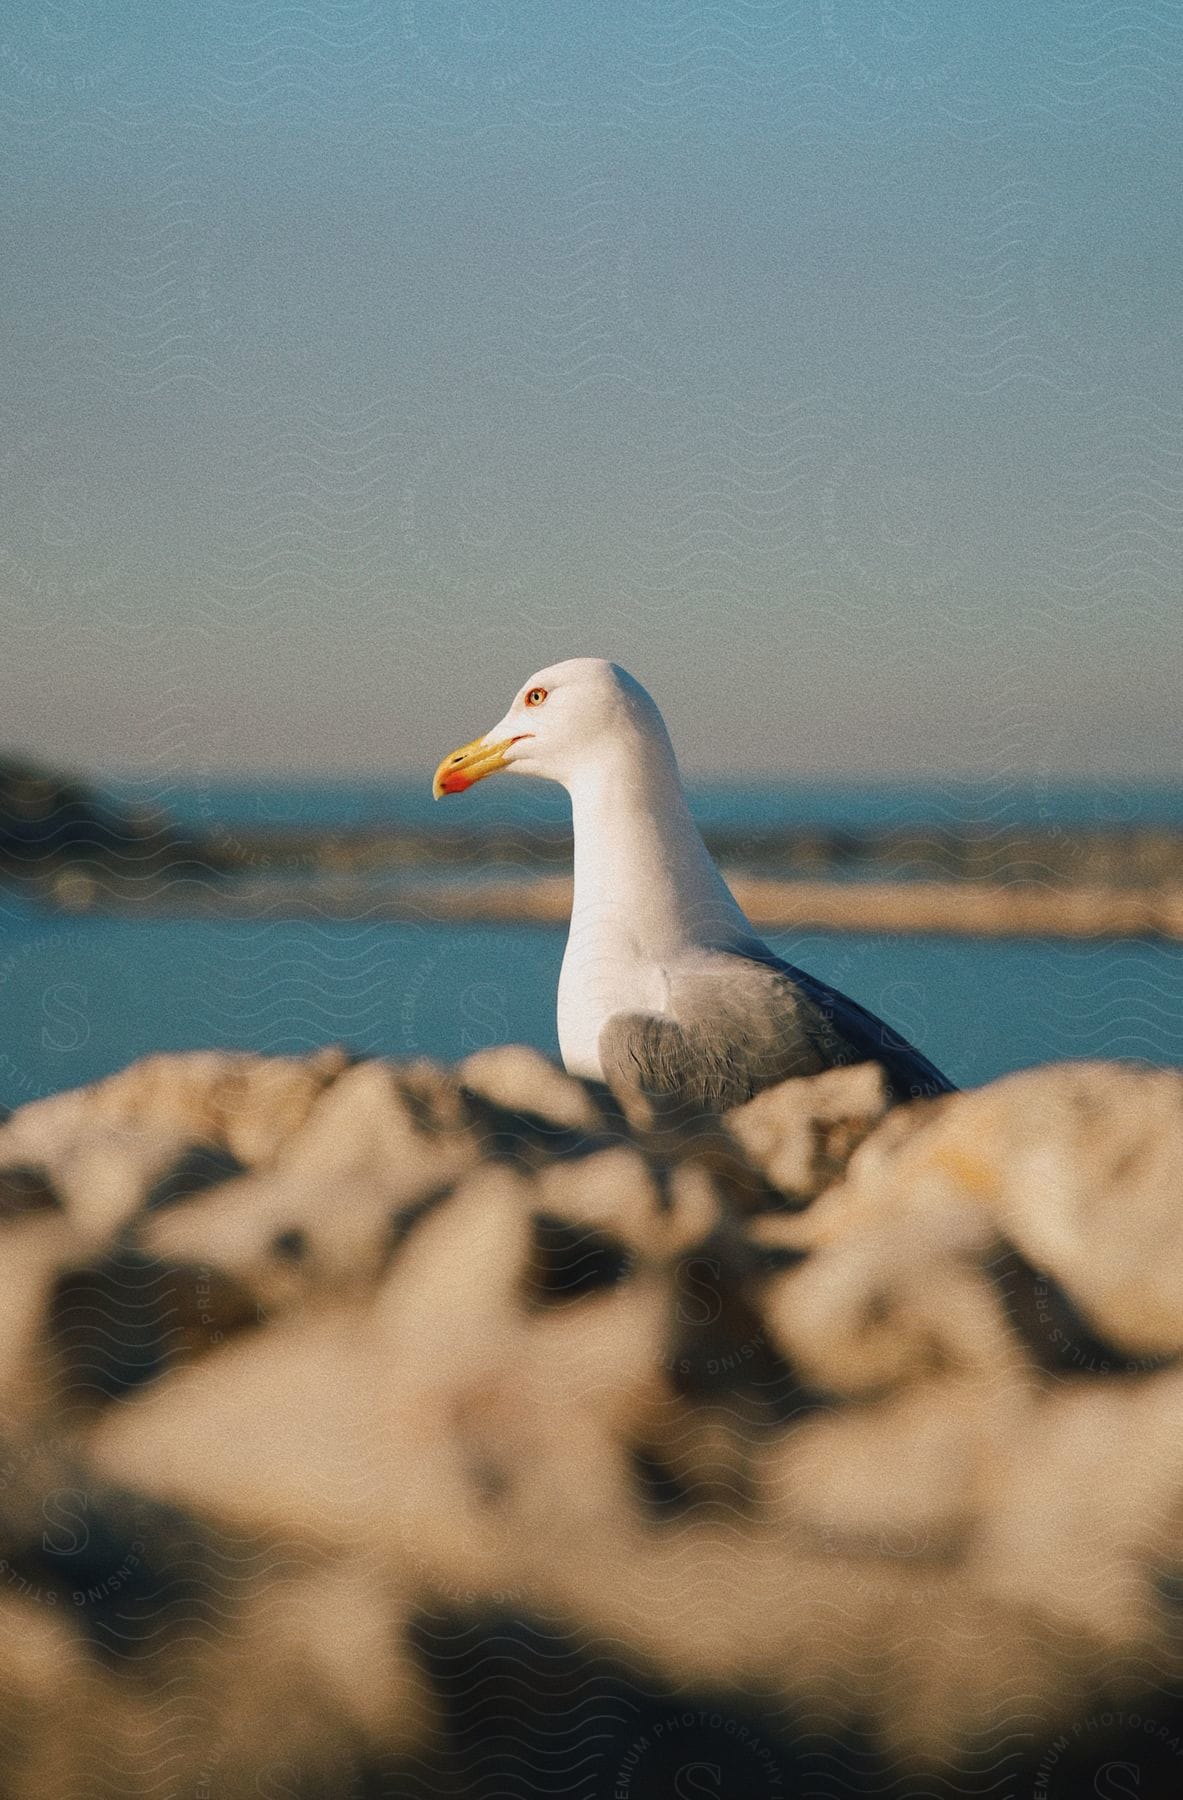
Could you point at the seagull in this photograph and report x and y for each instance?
(665, 986)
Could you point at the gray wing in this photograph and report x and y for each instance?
(744, 1023)
(911, 1075)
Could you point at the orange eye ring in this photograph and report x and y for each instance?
(536, 696)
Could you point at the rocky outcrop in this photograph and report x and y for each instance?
(386, 1430)
(71, 846)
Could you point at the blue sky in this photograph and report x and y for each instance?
(820, 362)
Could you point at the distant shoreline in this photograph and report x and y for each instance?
(70, 851)
(900, 908)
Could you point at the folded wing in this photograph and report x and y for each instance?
(738, 1024)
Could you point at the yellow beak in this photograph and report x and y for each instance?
(472, 762)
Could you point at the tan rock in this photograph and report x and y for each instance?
(802, 1133)
(1077, 1165)
(775, 1410)
(250, 1104)
(521, 1080)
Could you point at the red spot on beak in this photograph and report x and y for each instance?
(455, 784)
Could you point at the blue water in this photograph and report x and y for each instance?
(80, 997)
(756, 806)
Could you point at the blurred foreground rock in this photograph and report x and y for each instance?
(391, 1431)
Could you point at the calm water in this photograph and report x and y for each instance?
(753, 805)
(80, 997)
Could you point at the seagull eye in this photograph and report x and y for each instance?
(536, 696)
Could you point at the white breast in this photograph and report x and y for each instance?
(645, 889)
(600, 978)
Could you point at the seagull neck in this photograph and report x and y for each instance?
(642, 871)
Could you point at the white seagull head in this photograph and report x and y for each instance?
(562, 720)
